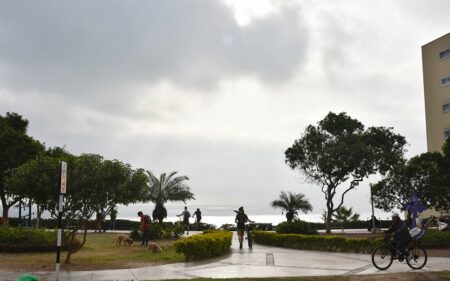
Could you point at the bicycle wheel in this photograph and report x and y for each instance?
(381, 257)
(249, 239)
(417, 257)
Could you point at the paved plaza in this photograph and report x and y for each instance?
(262, 261)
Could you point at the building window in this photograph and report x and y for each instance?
(447, 134)
(446, 107)
(445, 81)
(445, 54)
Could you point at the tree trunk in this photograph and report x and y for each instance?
(38, 215)
(329, 217)
(5, 219)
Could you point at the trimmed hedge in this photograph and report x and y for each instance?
(431, 239)
(119, 225)
(21, 240)
(209, 244)
(296, 227)
(316, 242)
(436, 239)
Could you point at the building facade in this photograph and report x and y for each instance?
(436, 81)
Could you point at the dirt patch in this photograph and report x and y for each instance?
(439, 253)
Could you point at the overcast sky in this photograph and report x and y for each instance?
(216, 90)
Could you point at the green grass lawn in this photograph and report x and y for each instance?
(405, 276)
(99, 252)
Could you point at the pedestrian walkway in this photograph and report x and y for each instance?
(262, 261)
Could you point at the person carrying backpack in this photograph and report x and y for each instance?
(185, 215)
(144, 228)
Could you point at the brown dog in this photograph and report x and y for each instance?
(155, 248)
(125, 239)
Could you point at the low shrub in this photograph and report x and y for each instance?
(316, 242)
(209, 244)
(135, 235)
(436, 239)
(19, 240)
(296, 227)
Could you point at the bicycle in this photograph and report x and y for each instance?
(416, 256)
(248, 230)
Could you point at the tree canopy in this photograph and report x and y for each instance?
(16, 148)
(339, 150)
(166, 188)
(426, 176)
(344, 215)
(291, 203)
(93, 184)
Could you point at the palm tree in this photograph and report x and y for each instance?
(291, 203)
(166, 188)
(343, 215)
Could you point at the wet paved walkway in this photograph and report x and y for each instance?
(262, 261)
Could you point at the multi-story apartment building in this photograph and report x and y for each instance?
(436, 81)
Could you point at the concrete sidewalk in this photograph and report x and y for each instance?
(262, 261)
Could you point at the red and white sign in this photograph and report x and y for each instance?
(63, 183)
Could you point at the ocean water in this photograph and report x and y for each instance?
(219, 215)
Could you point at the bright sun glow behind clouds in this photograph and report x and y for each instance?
(247, 10)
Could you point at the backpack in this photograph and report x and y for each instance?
(241, 219)
(147, 219)
(416, 233)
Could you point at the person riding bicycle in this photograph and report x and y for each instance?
(241, 219)
(401, 236)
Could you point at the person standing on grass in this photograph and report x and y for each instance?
(98, 222)
(198, 217)
(145, 228)
(112, 220)
(185, 215)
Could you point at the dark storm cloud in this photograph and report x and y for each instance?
(103, 47)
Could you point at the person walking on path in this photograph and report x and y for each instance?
(112, 220)
(241, 219)
(185, 215)
(198, 217)
(145, 228)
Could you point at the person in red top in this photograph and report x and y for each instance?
(145, 228)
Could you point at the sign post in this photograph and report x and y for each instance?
(62, 190)
(373, 211)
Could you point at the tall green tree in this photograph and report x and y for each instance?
(291, 203)
(16, 148)
(166, 188)
(339, 152)
(426, 175)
